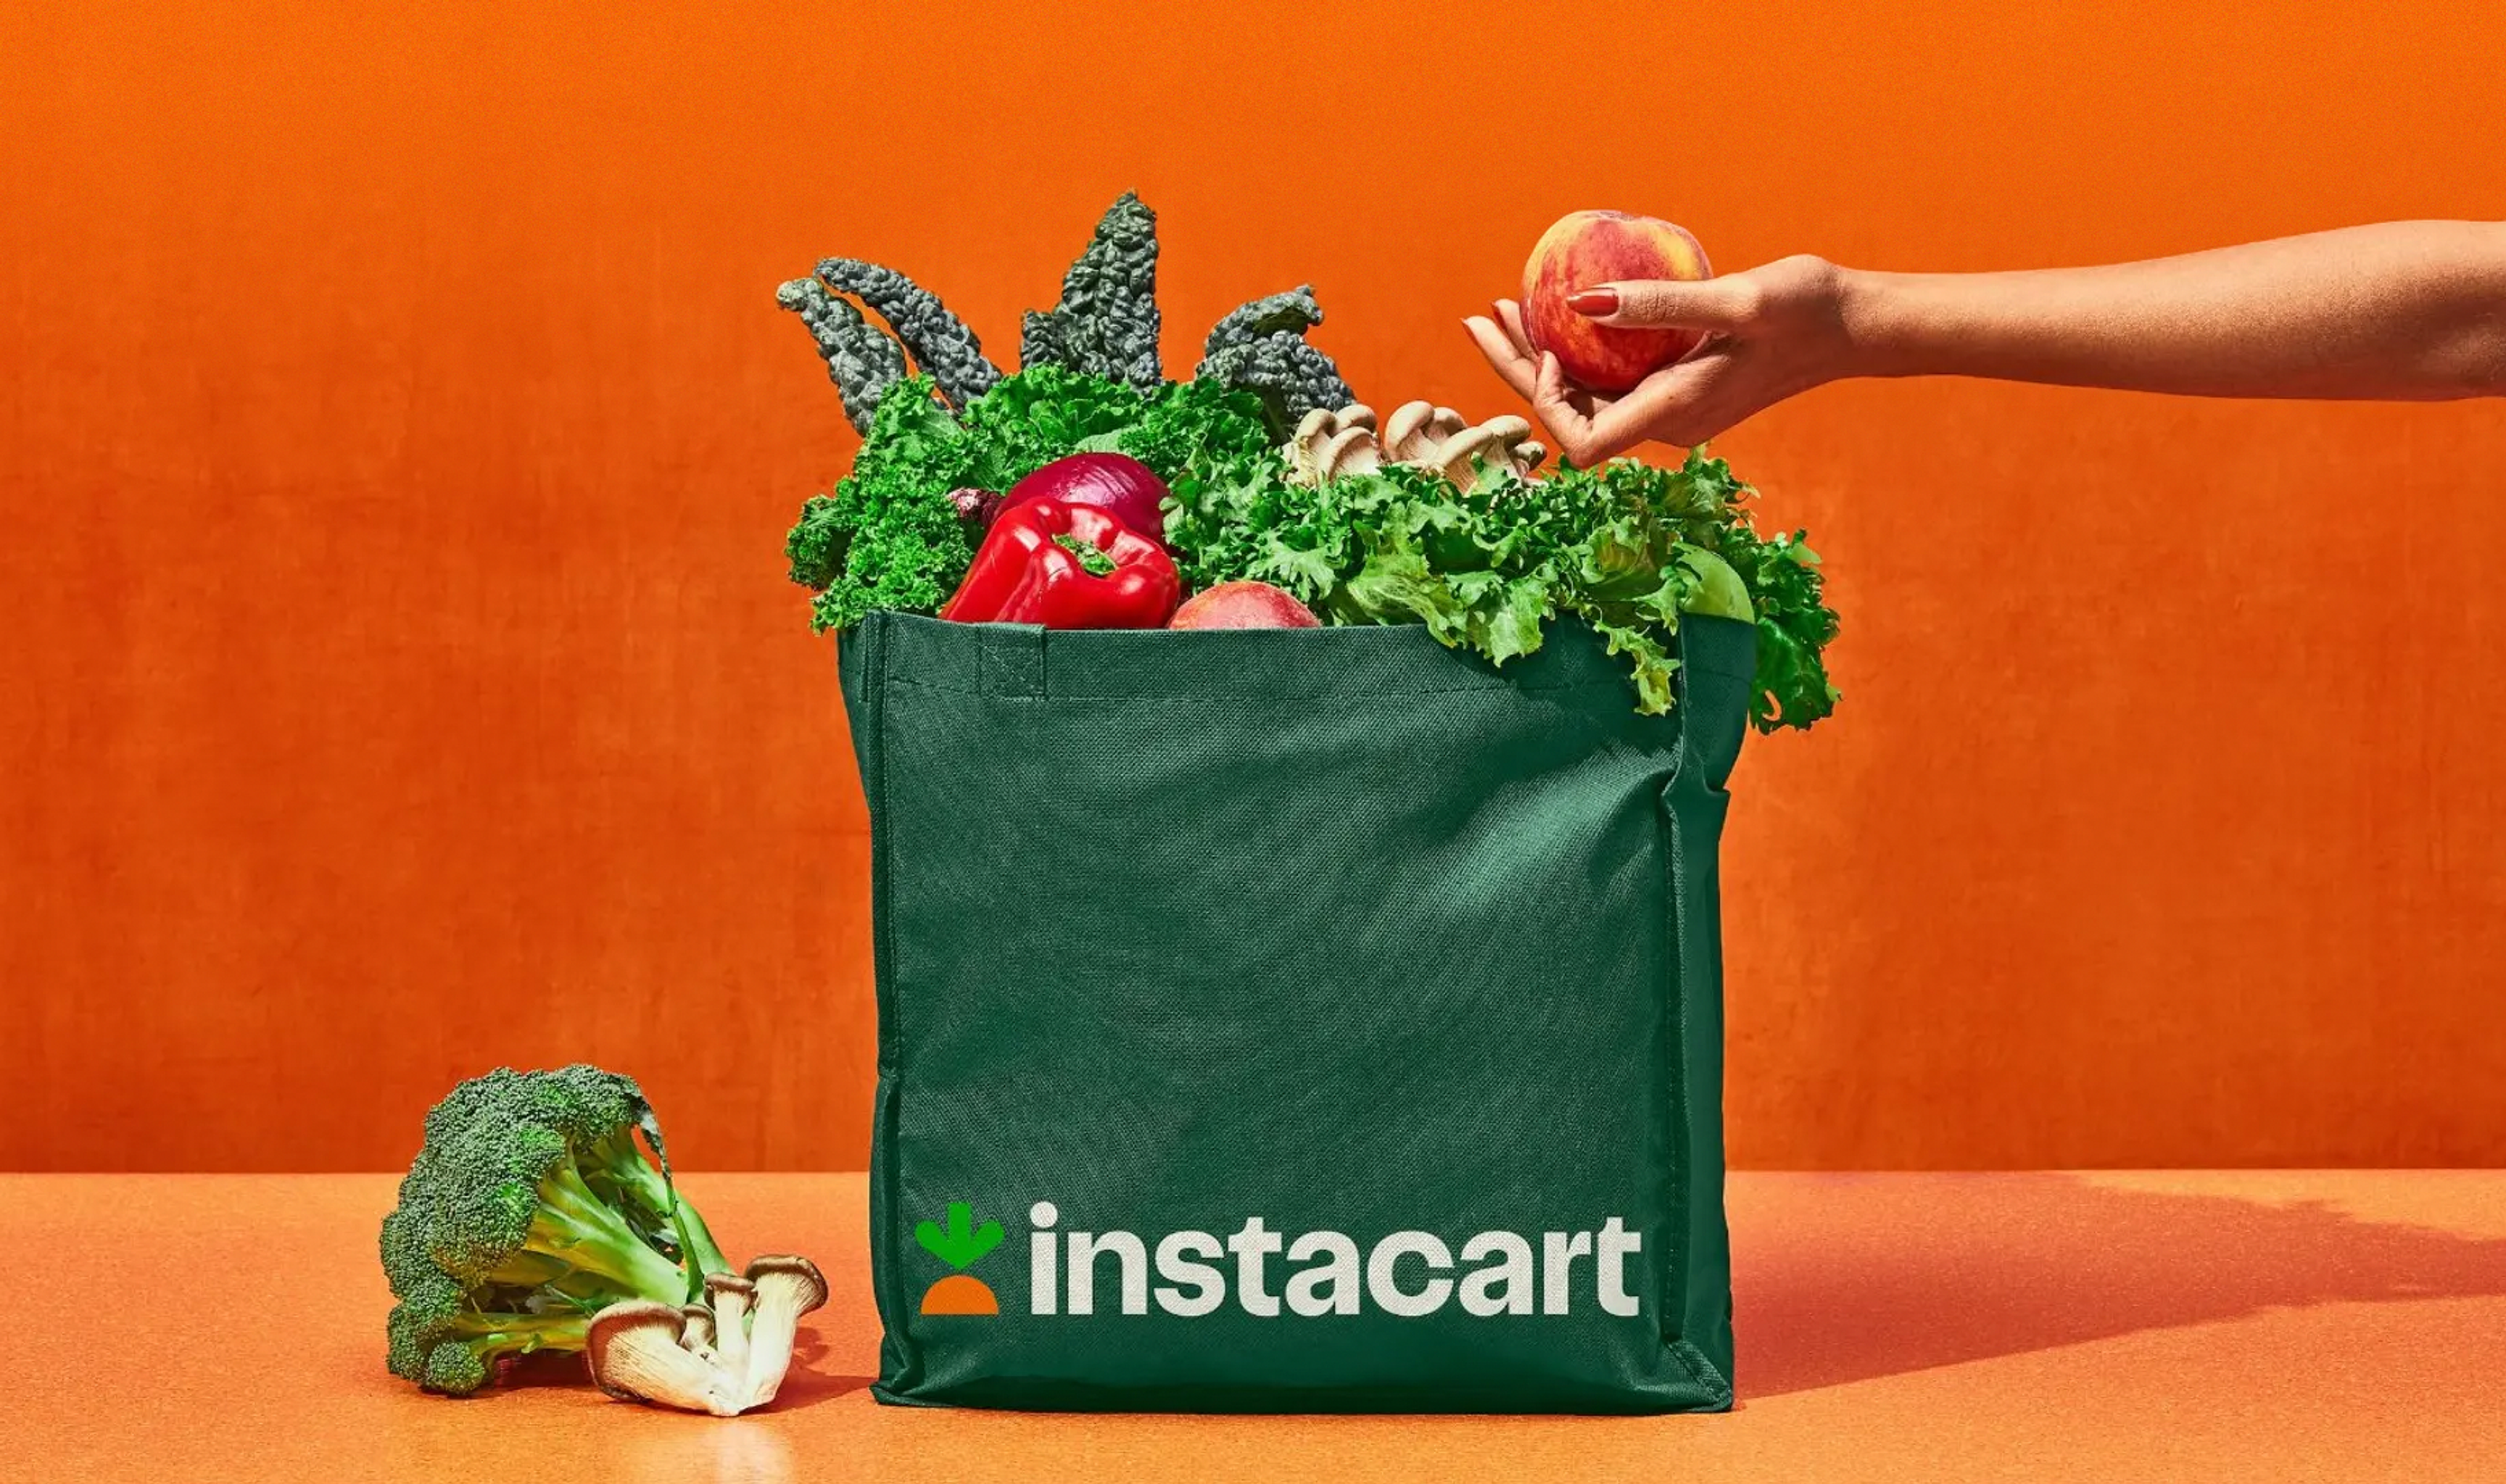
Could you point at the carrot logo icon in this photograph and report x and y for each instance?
(960, 1245)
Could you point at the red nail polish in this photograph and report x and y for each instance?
(1595, 302)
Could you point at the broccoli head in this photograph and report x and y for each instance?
(531, 1207)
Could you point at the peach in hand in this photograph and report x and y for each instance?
(1589, 248)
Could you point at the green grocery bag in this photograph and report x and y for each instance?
(1295, 1020)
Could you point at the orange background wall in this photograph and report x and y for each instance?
(399, 435)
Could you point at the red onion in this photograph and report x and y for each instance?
(975, 508)
(1121, 487)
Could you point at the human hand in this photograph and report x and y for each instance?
(1771, 332)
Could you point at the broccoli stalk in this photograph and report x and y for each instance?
(616, 1167)
(575, 1228)
(529, 1208)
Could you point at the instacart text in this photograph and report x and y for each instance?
(1407, 1273)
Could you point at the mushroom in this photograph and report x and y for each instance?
(1315, 429)
(786, 1288)
(696, 1329)
(1404, 435)
(1519, 453)
(1351, 450)
(1327, 444)
(730, 1294)
(1460, 457)
(636, 1356)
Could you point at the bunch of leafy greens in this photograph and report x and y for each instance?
(1626, 547)
(890, 537)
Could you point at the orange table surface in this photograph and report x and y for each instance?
(2279, 1325)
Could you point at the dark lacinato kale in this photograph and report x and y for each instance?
(1294, 312)
(942, 347)
(1290, 378)
(862, 361)
(1260, 347)
(1107, 322)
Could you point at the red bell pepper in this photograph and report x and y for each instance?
(1026, 571)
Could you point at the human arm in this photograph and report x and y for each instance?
(2400, 311)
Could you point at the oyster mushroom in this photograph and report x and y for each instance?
(696, 1329)
(786, 1288)
(1329, 445)
(730, 1295)
(1405, 434)
(1351, 450)
(1462, 457)
(634, 1354)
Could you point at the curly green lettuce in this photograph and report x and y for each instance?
(889, 536)
(1626, 548)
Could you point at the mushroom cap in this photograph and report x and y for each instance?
(1314, 427)
(622, 1318)
(720, 1284)
(1509, 428)
(1357, 415)
(1403, 429)
(1351, 450)
(781, 1265)
(1459, 455)
(697, 1322)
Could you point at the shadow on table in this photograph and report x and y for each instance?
(1961, 1268)
(809, 1383)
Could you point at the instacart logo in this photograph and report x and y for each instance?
(961, 1243)
(1268, 1272)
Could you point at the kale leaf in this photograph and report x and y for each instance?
(862, 362)
(1106, 324)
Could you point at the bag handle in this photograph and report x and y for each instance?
(1718, 661)
(1012, 661)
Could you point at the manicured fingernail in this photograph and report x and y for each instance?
(1595, 302)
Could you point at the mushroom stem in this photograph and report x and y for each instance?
(695, 1330)
(730, 1294)
(634, 1352)
(786, 1288)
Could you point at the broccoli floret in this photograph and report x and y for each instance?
(861, 361)
(530, 1208)
(944, 348)
(1106, 324)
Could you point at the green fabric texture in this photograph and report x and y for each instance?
(1334, 1018)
